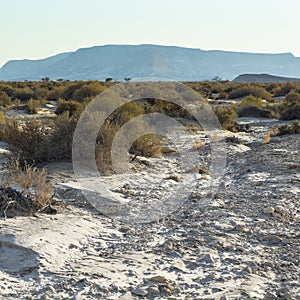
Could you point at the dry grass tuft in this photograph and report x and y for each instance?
(32, 181)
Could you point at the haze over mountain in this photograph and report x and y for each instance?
(177, 63)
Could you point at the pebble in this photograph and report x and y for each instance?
(208, 258)
(241, 228)
(272, 239)
(269, 210)
(279, 209)
(139, 292)
(127, 296)
(153, 290)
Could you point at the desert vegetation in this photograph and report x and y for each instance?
(35, 141)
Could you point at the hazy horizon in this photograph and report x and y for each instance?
(38, 28)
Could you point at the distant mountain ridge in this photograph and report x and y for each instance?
(138, 61)
(264, 78)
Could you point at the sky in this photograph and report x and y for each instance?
(36, 29)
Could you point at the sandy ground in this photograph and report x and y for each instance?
(242, 244)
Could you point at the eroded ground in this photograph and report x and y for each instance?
(242, 244)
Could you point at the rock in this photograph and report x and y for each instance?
(268, 210)
(273, 239)
(127, 296)
(241, 249)
(139, 292)
(153, 290)
(270, 296)
(241, 228)
(208, 258)
(279, 209)
(168, 150)
(173, 177)
(203, 171)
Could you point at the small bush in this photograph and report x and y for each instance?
(38, 141)
(70, 89)
(33, 182)
(2, 118)
(249, 90)
(251, 101)
(227, 116)
(284, 89)
(293, 96)
(251, 106)
(28, 143)
(148, 145)
(40, 93)
(24, 94)
(256, 112)
(88, 91)
(293, 128)
(55, 94)
(5, 100)
(289, 110)
(71, 107)
(33, 106)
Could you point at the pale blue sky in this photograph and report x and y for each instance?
(40, 28)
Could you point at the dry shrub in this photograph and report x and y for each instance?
(36, 141)
(44, 189)
(2, 118)
(197, 146)
(61, 138)
(256, 112)
(256, 91)
(292, 128)
(72, 107)
(148, 145)
(33, 181)
(4, 99)
(28, 143)
(33, 106)
(290, 110)
(227, 116)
